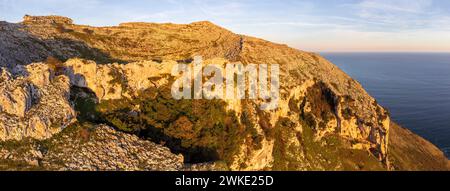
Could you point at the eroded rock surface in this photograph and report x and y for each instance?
(89, 149)
(325, 119)
(34, 103)
(314, 105)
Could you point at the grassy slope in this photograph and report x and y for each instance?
(409, 151)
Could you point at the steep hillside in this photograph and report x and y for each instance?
(408, 151)
(120, 76)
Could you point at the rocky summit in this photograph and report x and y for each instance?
(76, 97)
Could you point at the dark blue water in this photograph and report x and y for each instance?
(415, 87)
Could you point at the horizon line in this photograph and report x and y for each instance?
(378, 51)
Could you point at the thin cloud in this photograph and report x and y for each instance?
(408, 6)
(230, 8)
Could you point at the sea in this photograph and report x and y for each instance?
(414, 87)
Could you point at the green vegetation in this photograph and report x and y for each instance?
(347, 113)
(286, 155)
(329, 153)
(118, 78)
(55, 65)
(11, 165)
(84, 102)
(202, 130)
(301, 150)
(20, 150)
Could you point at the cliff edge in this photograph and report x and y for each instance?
(120, 76)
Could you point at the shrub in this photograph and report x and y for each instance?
(347, 113)
(88, 31)
(202, 130)
(61, 28)
(55, 65)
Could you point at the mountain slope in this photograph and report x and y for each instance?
(411, 152)
(121, 76)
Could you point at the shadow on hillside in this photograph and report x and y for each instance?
(200, 130)
(26, 48)
(79, 49)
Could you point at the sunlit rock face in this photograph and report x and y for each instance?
(34, 103)
(312, 104)
(116, 81)
(324, 120)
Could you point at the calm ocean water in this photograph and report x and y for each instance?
(415, 87)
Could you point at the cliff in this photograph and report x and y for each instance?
(34, 103)
(120, 76)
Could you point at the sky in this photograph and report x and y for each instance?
(311, 25)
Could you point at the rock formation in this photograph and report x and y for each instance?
(33, 103)
(325, 119)
(89, 148)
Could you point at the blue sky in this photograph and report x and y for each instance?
(312, 25)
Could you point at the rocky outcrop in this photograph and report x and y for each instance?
(43, 20)
(82, 148)
(34, 103)
(19, 47)
(314, 104)
(325, 119)
(116, 81)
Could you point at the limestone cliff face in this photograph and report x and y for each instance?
(116, 81)
(33, 104)
(325, 119)
(328, 113)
